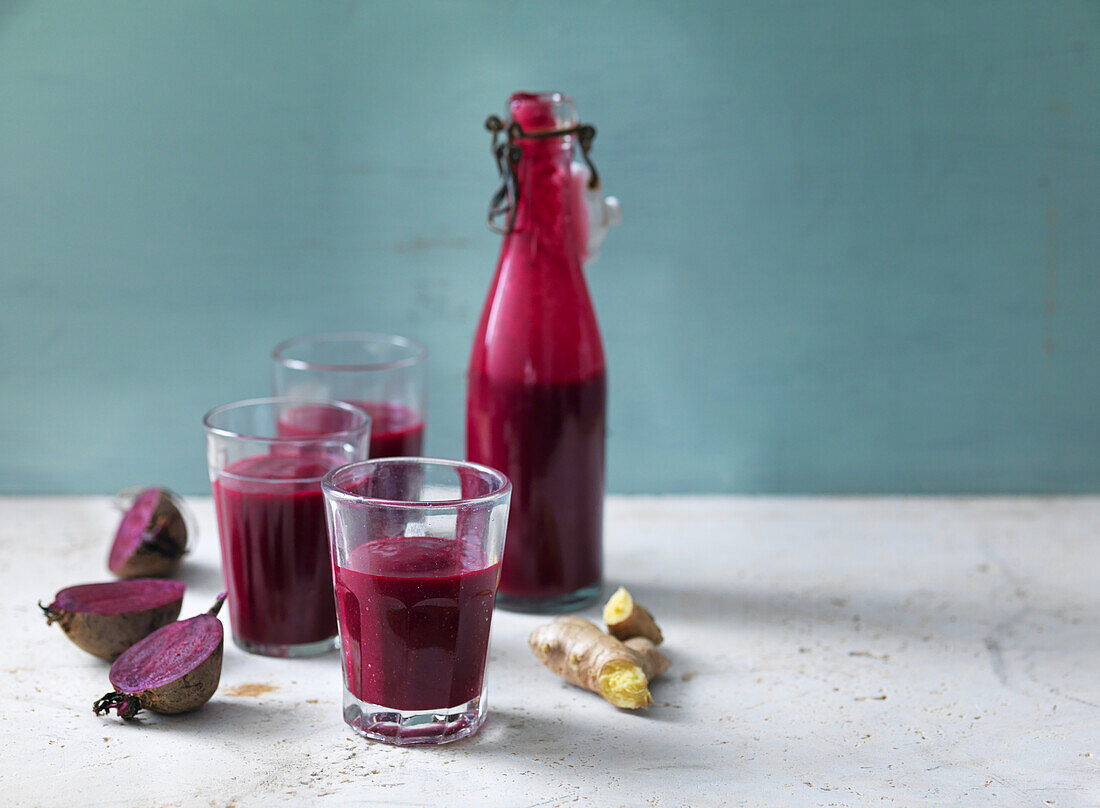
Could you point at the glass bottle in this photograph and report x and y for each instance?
(537, 395)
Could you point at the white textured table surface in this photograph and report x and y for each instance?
(825, 652)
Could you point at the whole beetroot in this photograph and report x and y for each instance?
(107, 618)
(174, 670)
(152, 537)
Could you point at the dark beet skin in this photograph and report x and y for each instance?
(152, 537)
(175, 669)
(105, 619)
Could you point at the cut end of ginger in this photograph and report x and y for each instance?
(618, 607)
(625, 685)
(627, 618)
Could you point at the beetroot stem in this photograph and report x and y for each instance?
(217, 607)
(125, 704)
(51, 614)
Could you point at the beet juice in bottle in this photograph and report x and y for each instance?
(537, 396)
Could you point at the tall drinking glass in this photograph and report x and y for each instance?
(271, 519)
(416, 549)
(380, 373)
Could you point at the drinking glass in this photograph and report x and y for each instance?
(416, 549)
(266, 480)
(382, 374)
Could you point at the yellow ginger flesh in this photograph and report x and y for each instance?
(618, 607)
(625, 685)
(627, 618)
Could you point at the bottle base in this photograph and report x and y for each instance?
(305, 649)
(557, 605)
(407, 727)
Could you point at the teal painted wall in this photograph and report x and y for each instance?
(861, 249)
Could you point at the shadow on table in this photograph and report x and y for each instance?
(240, 715)
(570, 746)
(511, 733)
(201, 576)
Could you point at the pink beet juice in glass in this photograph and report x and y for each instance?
(271, 520)
(382, 374)
(415, 614)
(536, 400)
(416, 552)
(395, 431)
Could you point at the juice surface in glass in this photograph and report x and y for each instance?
(395, 431)
(415, 615)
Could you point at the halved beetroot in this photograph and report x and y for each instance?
(174, 670)
(105, 619)
(151, 538)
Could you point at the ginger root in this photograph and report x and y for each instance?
(626, 619)
(580, 653)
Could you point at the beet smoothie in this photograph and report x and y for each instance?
(415, 614)
(275, 553)
(537, 388)
(549, 439)
(395, 431)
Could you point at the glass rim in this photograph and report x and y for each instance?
(336, 436)
(332, 489)
(417, 352)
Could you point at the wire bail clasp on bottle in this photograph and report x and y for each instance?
(507, 155)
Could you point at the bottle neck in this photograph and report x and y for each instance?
(539, 323)
(547, 208)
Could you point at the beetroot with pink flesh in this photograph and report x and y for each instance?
(107, 618)
(151, 538)
(174, 670)
(118, 597)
